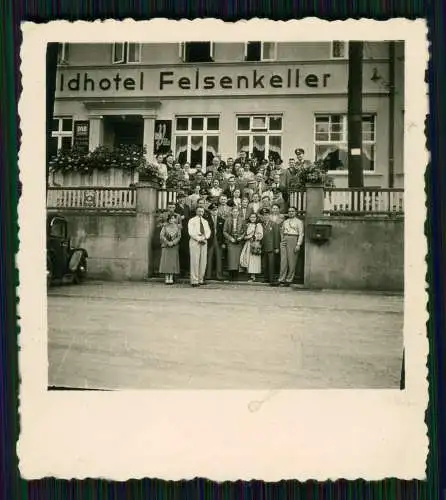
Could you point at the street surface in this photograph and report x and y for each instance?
(222, 336)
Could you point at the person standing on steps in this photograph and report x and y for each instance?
(199, 233)
(170, 238)
(234, 231)
(292, 234)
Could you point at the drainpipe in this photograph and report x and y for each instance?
(392, 56)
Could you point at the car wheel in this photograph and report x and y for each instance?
(79, 275)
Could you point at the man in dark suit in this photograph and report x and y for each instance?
(229, 191)
(215, 243)
(270, 247)
(184, 211)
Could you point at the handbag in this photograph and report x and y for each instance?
(256, 248)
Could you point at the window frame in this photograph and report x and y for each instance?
(60, 133)
(344, 141)
(189, 133)
(262, 59)
(125, 52)
(182, 50)
(255, 131)
(345, 56)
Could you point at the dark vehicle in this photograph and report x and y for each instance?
(63, 262)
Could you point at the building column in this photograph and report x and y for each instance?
(96, 132)
(149, 135)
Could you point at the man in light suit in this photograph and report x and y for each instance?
(199, 233)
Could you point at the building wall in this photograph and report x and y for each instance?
(86, 54)
(362, 254)
(297, 105)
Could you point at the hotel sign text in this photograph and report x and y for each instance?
(180, 81)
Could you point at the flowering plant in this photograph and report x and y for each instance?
(125, 157)
(313, 173)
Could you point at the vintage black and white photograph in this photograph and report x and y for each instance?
(227, 213)
(216, 204)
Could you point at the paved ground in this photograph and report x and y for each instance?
(147, 335)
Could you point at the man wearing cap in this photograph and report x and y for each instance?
(215, 243)
(199, 233)
(270, 246)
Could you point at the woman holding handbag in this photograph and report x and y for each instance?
(170, 238)
(251, 256)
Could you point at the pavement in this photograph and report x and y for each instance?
(146, 335)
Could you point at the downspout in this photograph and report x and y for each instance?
(391, 154)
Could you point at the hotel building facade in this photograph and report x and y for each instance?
(201, 99)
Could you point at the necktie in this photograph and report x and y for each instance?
(201, 226)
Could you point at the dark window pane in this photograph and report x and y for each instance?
(213, 123)
(253, 51)
(66, 142)
(197, 123)
(243, 123)
(211, 148)
(67, 124)
(196, 149)
(275, 123)
(198, 52)
(258, 147)
(181, 148)
(55, 125)
(275, 146)
(368, 161)
(182, 123)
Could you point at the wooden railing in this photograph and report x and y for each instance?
(95, 198)
(364, 201)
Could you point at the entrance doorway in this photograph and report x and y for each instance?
(123, 130)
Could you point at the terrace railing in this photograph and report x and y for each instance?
(94, 198)
(364, 201)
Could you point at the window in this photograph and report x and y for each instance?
(260, 51)
(196, 139)
(339, 50)
(331, 141)
(126, 53)
(260, 135)
(196, 51)
(63, 53)
(61, 134)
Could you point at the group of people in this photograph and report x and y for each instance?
(239, 178)
(229, 229)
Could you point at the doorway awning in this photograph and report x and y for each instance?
(125, 106)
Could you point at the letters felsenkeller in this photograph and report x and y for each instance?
(291, 78)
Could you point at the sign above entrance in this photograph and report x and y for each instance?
(213, 81)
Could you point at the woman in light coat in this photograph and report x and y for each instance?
(251, 256)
